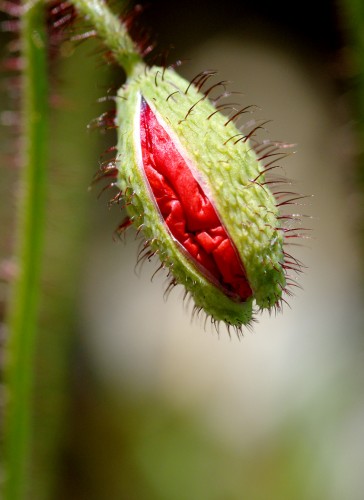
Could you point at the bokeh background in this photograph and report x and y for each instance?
(141, 402)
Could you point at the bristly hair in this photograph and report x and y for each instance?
(62, 25)
(140, 34)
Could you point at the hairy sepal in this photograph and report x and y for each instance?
(227, 169)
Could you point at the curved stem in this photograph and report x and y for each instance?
(112, 31)
(23, 306)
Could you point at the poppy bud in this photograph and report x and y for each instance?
(195, 187)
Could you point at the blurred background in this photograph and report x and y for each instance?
(141, 402)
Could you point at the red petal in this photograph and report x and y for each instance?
(188, 213)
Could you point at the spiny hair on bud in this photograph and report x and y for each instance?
(105, 121)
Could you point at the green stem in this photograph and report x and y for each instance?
(353, 15)
(112, 32)
(24, 300)
(22, 321)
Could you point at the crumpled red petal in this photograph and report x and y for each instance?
(186, 209)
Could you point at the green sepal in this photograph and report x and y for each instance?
(225, 167)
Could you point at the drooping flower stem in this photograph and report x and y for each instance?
(23, 307)
(111, 31)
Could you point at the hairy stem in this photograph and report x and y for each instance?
(23, 307)
(112, 32)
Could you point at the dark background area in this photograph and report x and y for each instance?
(318, 25)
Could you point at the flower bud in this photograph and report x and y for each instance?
(195, 187)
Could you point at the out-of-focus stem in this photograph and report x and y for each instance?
(353, 11)
(23, 304)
